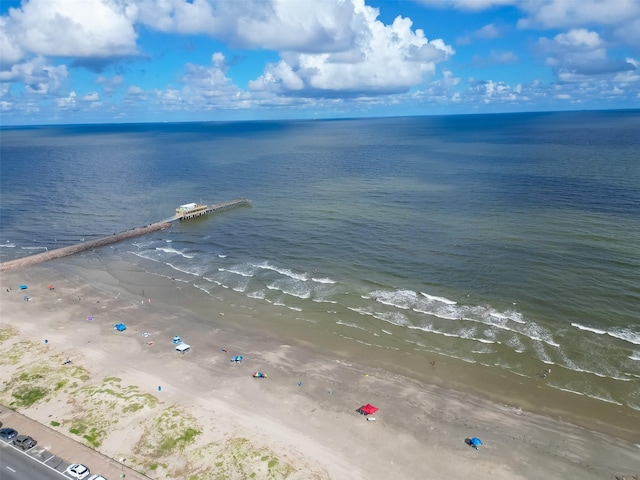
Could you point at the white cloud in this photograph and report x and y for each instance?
(579, 38)
(91, 97)
(496, 57)
(69, 28)
(580, 54)
(205, 83)
(569, 13)
(307, 26)
(135, 91)
(67, 103)
(488, 32)
(37, 76)
(383, 58)
(473, 5)
(110, 84)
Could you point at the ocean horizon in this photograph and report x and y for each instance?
(510, 242)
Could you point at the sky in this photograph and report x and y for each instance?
(121, 61)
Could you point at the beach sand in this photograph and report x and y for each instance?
(198, 415)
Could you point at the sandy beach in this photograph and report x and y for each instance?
(200, 416)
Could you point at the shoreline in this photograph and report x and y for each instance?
(420, 428)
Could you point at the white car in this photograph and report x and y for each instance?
(77, 470)
(96, 477)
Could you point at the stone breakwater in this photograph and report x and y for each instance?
(81, 247)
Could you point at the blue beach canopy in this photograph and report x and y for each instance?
(23, 287)
(237, 358)
(476, 442)
(120, 327)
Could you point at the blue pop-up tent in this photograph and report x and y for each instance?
(237, 358)
(23, 287)
(120, 327)
(474, 442)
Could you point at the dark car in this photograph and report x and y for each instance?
(8, 433)
(25, 442)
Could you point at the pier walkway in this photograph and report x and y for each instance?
(116, 237)
(80, 247)
(218, 207)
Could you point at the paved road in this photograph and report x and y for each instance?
(55, 450)
(18, 465)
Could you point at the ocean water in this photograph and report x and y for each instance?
(507, 241)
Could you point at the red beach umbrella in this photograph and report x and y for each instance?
(367, 409)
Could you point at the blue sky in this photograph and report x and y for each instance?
(103, 61)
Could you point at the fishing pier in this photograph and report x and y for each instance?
(184, 212)
(193, 210)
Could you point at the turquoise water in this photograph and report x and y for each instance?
(511, 241)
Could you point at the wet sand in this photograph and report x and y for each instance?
(130, 394)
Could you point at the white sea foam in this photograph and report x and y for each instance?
(146, 255)
(465, 334)
(433, 298)
(600, 397)
(203, 288)
(567, 390)
(8, 245)
(244, 270)
(173, 250)
(283, 271)
(350, 325)
(597, 374)
(589, 329)
(195, 270)
(395, 318)
(291, 287)
(322, 300)
(361, 311)
(620, 333)
(322, 280)
(404, 299)
(625, 334)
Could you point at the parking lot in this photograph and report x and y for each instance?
(59, 451)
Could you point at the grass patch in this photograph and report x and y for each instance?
(37, 381)
(172, 431)
(6, 333)
(25, 396)
(17, 352)
(239, 458)
(54, 423)
(103, 405)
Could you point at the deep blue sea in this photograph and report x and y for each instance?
(511, 241)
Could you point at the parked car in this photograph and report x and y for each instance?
(8, 433)
(25, 442)
(96, 477)
(77, 470)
